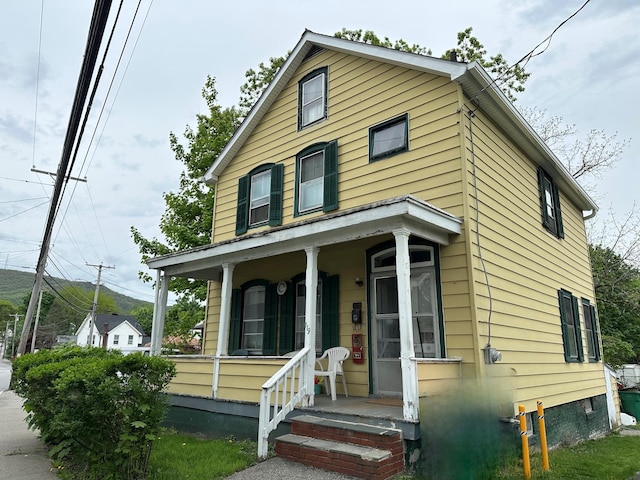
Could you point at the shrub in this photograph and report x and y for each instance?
(98, 408)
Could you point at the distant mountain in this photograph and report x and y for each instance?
(14, 285)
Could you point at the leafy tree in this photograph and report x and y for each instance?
(187, 220)
(144, 316)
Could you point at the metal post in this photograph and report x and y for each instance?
(543, 437)
(526, 463)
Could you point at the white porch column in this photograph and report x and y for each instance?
(159, 310)
(311, 288)
(225, 320)
(225, 309)
(409, 374)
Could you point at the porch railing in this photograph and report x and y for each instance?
(280, 394)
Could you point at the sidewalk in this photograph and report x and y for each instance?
(22, 455)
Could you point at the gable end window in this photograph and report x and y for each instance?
(260, 198)
(317, 179)
(550, 204)
(570, 319)
(591, 331)
(312, 98)
(389, 138)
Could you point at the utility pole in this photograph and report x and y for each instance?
(94, 307)
(35, 325)
(13, 334)
(4, 342)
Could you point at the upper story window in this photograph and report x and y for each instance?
(389, 138)
(317, 178)
(260, 198)
(550, 204)
(570, 319)
(312, 98)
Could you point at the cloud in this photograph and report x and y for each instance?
(15, 127)
(144, 142)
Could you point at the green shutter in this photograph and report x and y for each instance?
(596, 334)
(287, 307)
(556, 201)
(576, 321)
(543, 199)
(275, 201)
(563, 323)
(330, 177)
(242, 213)
(235, 326)
(330, 312)
(270, 329)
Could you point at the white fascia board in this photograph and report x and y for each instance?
(419, 217)
(309, 39)
(479, 86)
(82, 325)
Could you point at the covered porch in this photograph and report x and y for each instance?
(279, 384)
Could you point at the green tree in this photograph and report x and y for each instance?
(144, 316)
(187, 220)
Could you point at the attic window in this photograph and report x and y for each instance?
(312, 98)
(550, 204)
(389, 138)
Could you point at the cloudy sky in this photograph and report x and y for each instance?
(589, 75)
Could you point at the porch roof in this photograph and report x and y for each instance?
(379, 218)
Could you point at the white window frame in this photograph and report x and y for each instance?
(314, 183)
(247, 343)
(305, 106)
(256, 202)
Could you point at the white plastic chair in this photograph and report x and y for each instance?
(335, 356)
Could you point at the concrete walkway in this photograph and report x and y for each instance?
(22, 455)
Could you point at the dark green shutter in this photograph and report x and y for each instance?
(287, 307)
(576, 322)
(556, 201)
(330, 312)
(270, 328)
(596, 334)
(242, 213)
(563, 323)
(330, 177)
(543, 198)
(275, 201)
(235, 326)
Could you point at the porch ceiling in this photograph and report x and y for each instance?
(420, 218)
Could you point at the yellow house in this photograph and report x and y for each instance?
(444, 240)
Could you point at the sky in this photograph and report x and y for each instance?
(589, 75)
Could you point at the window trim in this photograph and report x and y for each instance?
(324, 71)
(330, 177)
(404, 118)
(569, 357)
(270, 320)
(243, 210)
(593, 343)
(552, 224)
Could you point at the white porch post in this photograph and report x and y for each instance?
(225, 319)
(408, 367)
(159, 310)
(311, 288)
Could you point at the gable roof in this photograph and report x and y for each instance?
(114, 320)
(474, 80)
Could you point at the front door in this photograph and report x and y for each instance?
(385, 327)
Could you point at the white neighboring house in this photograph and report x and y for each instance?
(121, 332)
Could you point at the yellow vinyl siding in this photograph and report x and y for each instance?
(429, 170)
(437, 378)
(526, 266)
(194, 376)
(241, 379)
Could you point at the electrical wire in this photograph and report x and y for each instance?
(24, 211)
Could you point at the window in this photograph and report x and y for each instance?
(300, 318)
(317, 178)
(253, 326)
(116, 339)
(389, 138)
(260, 198)
(253, 318)
(591, 332)
(130, 340)
(571, 336)
(550, 204)
(312, 98)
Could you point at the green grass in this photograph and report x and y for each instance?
(615, 457)
(186, 457)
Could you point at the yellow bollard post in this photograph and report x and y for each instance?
(526, 463)
(543, 437)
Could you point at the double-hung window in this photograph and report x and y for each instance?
(570, 319)
(130, 340)
(550, 204)
(116, 339)
(312, 98)
(591, 330)
(317, 178)
(389, 138)
(260, 197)
(253, 318)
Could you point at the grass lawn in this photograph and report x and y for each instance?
(186, 457)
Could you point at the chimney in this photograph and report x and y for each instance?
(105, 336)
(453, 56)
